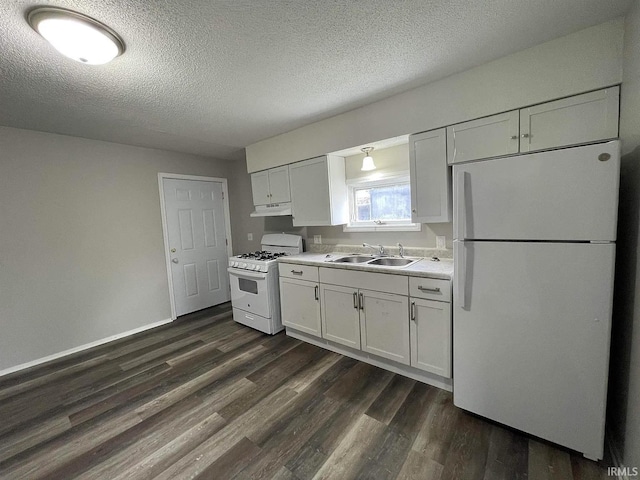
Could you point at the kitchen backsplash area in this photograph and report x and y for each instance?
(389, 249)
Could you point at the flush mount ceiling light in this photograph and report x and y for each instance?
(367, 161)
(76, 36)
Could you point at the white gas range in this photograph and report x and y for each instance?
(255, 292)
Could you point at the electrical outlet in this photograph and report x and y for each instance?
(249, 236)
(441, 242)
(317, 239)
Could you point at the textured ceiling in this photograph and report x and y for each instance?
(211, 77)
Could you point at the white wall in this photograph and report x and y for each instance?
(586, 60)
(624, 391)
(81, 249)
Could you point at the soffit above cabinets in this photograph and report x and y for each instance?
(211, 78)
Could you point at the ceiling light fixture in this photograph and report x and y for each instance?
(76, 36)
(367, 161)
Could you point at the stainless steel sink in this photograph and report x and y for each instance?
(392, 262)
(353, 259)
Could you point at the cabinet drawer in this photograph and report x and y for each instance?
(302, 272)
(430, 288)
(379, 282)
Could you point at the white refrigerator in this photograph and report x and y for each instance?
(533, 287)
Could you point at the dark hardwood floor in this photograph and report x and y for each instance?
(207, 398)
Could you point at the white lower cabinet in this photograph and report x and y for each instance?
(431, 336)
(300, 305)
(405, 328)
(384, 326)
(340, 315)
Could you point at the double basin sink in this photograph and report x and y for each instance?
(377, 261)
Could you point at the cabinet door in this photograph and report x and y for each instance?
(279, 185)
(482, 138)
(260, 188)
(340, 315)
(431, 336)
(300, 305)
(384, 325)
(310, 192)
(585, 118)
(430, 178)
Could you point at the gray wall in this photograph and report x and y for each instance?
(585, 60)
(624, 390)
(82, 255)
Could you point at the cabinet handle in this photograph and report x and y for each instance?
(525, 135)
(361, 302)
(413, 311)
(296, 272)
(413, 210)
(514, 137)
(316, 292)
(428, 289)
(355, 300)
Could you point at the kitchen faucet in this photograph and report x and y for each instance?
(380, 248)
(401, 250)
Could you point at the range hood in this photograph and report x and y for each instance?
(272, 210)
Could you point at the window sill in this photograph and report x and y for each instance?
(410, 227)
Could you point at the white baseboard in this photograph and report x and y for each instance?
(86, 346)
(407, 371)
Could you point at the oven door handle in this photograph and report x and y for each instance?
(246, 273)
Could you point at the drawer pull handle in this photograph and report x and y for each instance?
(355, 300)
(296, 272)
(316, 292)
(428, 289)
(413, 311)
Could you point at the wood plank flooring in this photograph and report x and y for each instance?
(207, 398)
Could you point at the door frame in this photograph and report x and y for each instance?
(165, 235)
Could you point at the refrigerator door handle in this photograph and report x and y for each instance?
(460, 274)
(461, 204)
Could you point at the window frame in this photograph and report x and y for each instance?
(377, 180)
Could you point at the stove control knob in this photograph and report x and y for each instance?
(251, 267)
(243, 265)
(263, 268)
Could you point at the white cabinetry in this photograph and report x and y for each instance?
(300, 298)
(586, 118)
(383, 325)
(485, 137)
(340, 315)
(355, 315)
(430, 334)
(319, 192)
(271, 186)
(430, 177)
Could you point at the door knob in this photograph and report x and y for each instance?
(173, 250)
(174, 260)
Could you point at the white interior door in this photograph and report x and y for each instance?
(196, 233)
(531, 325)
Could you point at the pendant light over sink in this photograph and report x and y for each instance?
(367, 161)
(76, 36)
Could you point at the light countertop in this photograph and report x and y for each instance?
(424, 268)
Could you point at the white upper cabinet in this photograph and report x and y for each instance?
(260, 187)
(585, 118)
(319, 192)
(430, 177)
(271, 186)
(485, 137)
